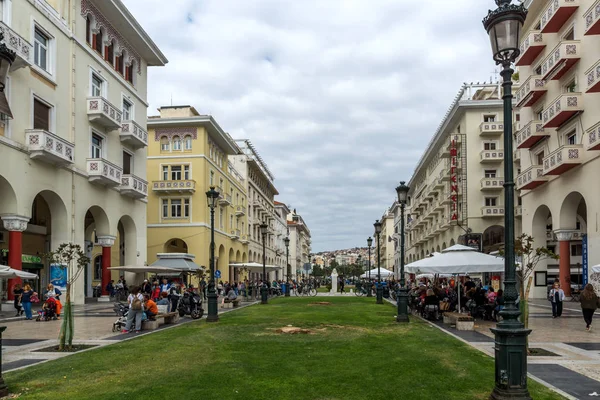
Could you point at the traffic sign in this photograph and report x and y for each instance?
(217, 274)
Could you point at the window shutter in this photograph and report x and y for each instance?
(41, 115)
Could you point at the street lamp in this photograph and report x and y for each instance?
(287, 265)
(212, 197)
(503, 25)
(369, 244)
(264, 228)
(402, 192)
(377, 226)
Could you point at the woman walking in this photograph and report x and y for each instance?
(556, 296)
(26, 300)
(589, 303)
(17, 292)
(136, 310)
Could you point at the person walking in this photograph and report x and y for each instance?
(136, 310)
(342, 284)
(589, 303)
(26, 300)
(17, 292)
(556, 296)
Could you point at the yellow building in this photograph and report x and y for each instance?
(188, 153)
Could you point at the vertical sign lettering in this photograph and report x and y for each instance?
(453, 180)
(584, 258)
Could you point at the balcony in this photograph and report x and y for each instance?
(491, 156)
(531, 91)
(592, 19)
(593, 78)
(593, 135)
(134, 186)
(133, 134)
(556, 14)
(244, 239)
(240, 210)
(225, 199)
(492, 212)
(492, 183)
(562, 108)
(531, 47)
(563, 159)
(235, 234)
(48, 147)
(22, 48)
(491, 128)
(531, 133)
(185, 186)
(531, 178)
(561, 59)
(102, 112)
(103, 172)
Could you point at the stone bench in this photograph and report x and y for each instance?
(463, 322)
(160, 319)
(227, 303)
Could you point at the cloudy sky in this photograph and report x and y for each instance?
(340, 97)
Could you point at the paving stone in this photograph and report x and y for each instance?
(21, 363)
(566, 380)
(20, 342)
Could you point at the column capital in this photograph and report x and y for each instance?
(15, 223)
(106, 240)
(563, 235)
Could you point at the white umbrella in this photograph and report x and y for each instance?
(385, 273)
(458, 259)
(596, 269)
(9, 273)
(146, 268)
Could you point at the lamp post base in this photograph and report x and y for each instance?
(213, 308)
(379, 294)
(402, 296)
(511, 363)
(369, 289)
(287, 290)
(263, 295)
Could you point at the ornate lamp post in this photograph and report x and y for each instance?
(503, 25)
(287, 266)
(379, 292)
(264, 228)
(369, 244)
(402, 191)
(213, 314)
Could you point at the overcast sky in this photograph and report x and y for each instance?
(340, 97)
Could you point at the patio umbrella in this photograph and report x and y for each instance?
(9, 273)
(457, 259)
(385, 273)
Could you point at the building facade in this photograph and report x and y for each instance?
(187, 154)
(76, 143)
(387, 240)
(300, 245)
(559, 143)
(456, 191)
(281, 232)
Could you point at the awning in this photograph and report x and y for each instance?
(146, 269)
(181, 264)
(32, 266)
(7, 272)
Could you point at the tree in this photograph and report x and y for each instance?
(71, 258)
(530, 257)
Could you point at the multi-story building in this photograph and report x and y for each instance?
(457, 186)
(559, 143)
(281, 232)
(75, 145)
(387, 240)
(187, 154)
(261, 209)
(300, 244)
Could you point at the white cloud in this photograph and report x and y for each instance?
(339, 97)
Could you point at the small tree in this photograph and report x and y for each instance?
(71, 258)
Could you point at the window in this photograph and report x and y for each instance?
(490, 201)
(211, 178)
(176, 173)
(98, 267)
(578, 225)
(540, 158)
(164, 144)
(221, 184)
(571, 87)
(97, 45)
(538, 70)
(490, 173)
(489, 146)
(186, 172)
(41, 115)
(571, 138)
(97, 143)
(176, 208)
(489, 118)
(165, 173)
(165, 208)
(40, 49)
(188, 142)
(129, 73)
(110, 54)
(570, 35)
(127, 110)
(576, 250)
(119, 64)
(221, 217)
(127, 163)
(176, 143)
(97, 83)
(540, 114)
(186, 208)
(517, 117)
(231, 221)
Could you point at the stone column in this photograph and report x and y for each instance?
(15, 225)
(564, 251)
(106, 241)
(334, 278)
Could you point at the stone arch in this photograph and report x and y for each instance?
(97, 216)
(452, 242)
(128, 240)
(58, 221)
(573, 205)
(244, 257)
(175, 245)
(444, 246)
(8, 204)
(437, 248)
(493, 238)
(238, 257)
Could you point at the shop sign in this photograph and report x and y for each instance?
(26, 258)
(584, 258)
(453, 180)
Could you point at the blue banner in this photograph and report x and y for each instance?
(58, 276)
(584, 258)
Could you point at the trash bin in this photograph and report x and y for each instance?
(386, 292)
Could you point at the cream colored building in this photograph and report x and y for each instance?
(559, 68)
(300, 244)
(387, 239)
(187, 154)
(281, 232)
(457, 185)
(74, 154)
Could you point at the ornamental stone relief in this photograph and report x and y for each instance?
(169, 133)
(15, 223)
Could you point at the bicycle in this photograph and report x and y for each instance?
(360, 290)
(306, 290)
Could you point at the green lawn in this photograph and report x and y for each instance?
(357, 351)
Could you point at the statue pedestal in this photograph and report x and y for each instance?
(334, 281)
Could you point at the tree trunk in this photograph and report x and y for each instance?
(524, 308)
(66, 331)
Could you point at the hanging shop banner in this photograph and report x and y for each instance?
(58, 276)
(474, 241)
(584, 258)
(453, 179)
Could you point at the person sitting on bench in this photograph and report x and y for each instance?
(231, 296)
(150, 307)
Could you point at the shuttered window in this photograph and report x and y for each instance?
(41, 115)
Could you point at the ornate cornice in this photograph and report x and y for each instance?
(178, 131)
(563, 235)
(106, 240)
(15, 223)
